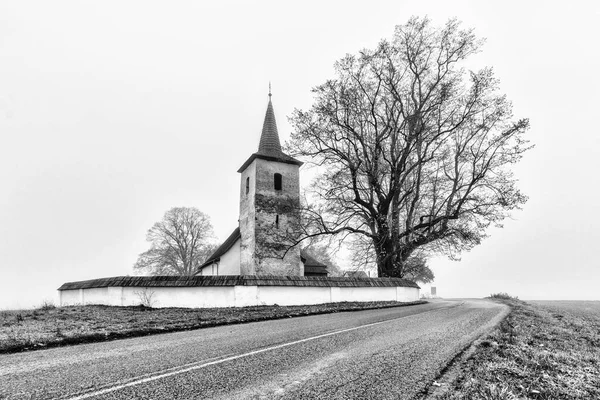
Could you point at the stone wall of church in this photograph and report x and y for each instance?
(247, 218)
(269, 220)
(277, 221)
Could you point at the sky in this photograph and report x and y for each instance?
(113, 112)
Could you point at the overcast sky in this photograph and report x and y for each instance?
(112, 112)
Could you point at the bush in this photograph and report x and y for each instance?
(47, 305)
(503, 296)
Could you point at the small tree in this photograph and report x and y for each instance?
(417, 153)
(179, 243)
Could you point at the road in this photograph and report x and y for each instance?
(392, 353)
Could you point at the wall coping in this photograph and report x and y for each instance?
(236, 280)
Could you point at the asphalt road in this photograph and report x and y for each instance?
(392, 353)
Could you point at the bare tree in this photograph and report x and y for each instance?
(180, 242)
(145, 297)
(416, 151)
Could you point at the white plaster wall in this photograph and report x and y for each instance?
(234, 296)
(115, 296)
(95, 296)
(366, 294)
(407, 294)
(293, 295)
(246, 296)
(197, 297)
(69, 297)
(210, 269)
(230, 261)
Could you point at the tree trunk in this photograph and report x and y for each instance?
(384, 250)
(390, 257)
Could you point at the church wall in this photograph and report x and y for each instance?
(207, 270)
(234, 296)
(290, 178)
(271, 242)
(247, 218)
(263, 244)
(230, 261)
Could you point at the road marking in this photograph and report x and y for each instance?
(226, 359)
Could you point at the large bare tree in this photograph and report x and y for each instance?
(179, 243)
(416, 151)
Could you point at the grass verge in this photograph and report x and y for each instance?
(537, 352)
(58, 326)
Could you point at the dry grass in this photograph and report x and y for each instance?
(540, 351)
(49, 326)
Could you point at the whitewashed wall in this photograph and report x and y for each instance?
(229, 263)
(233, 296)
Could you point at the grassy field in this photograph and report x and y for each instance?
(49, 326)
(542, 350)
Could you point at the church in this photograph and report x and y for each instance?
(269, 184)
(256, 265)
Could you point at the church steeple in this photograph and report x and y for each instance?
(269, 147)
(269, 139)
(269, 193)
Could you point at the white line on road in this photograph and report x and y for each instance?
(220, 361)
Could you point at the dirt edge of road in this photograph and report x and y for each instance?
(451, 373)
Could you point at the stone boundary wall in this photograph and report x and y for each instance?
(234, 291)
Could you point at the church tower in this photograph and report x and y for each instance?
(269, 193)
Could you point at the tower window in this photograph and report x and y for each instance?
(247, 185)
(277, 221)
(277, 181)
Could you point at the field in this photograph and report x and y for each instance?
(584, 309)
(49, 326)
(542, 350)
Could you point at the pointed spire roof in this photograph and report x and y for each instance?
(269, 139)
(269, 147)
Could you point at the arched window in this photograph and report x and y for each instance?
(277, 181)
(247, 185)
(277, 221)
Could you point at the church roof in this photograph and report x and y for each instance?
(222, 249)
(269, 138)
(269, 147)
